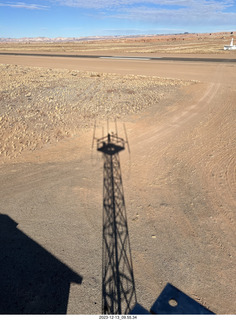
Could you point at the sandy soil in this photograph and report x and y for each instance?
(179, 179)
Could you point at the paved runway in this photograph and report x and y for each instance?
(187, 59)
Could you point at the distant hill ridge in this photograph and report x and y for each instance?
(116, 37)
(58, 39)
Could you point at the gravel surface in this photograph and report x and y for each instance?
(40, 106)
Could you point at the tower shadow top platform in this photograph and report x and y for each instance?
(110, 144)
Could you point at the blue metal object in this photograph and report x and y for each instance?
(138, 309)
(172, 301)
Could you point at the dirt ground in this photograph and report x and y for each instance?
(179, 178)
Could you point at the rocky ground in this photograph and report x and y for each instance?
(39, 106)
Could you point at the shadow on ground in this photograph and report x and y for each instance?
(118, 286)
(32, 280)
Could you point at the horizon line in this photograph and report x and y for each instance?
(117, 35)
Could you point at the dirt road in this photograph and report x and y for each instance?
(179, 183)
(169, 69)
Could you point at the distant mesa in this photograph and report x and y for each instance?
(134, 37)
(58, 39)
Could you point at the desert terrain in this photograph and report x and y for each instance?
(179, 178)
(209, 43)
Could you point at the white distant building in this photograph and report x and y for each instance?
(231, 46)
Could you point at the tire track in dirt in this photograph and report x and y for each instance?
(214, 160)
(179, 120)
(184, 159)
(215, 126)
(219, 170)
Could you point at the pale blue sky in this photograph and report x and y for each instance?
(79, 18)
